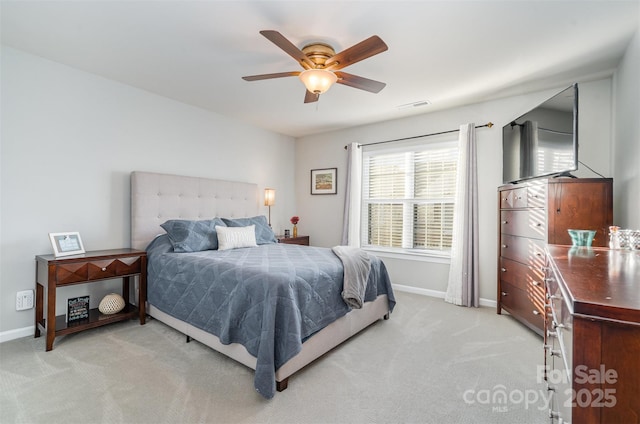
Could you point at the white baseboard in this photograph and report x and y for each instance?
(18, 333)
(439, 294)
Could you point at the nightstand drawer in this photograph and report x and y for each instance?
(301, 240)
(72, 273)
(76, 272)
(114, 267)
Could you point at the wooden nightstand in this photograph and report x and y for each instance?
(52, 272)
(301, 240)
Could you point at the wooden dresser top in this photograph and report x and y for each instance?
(600, 282)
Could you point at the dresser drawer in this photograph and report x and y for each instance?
(525, 223)
(558, 382)
(524, 250)
(525, 278)
(515, 198)
(76, 272)
(537, 195)
(561, 321)
(521, 303)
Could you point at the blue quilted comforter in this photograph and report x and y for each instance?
(268, 298)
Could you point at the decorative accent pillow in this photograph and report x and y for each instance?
(192, 236)
(236, 237)
(264, 233)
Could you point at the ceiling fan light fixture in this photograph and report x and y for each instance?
(318, 81)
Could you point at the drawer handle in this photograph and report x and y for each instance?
(505, 222)
(552, 334)
(536, 283)
(104, 268)
(556, 325)
(504, 293)
(503, 269)
(556, 352)
(504, 246)
(539, 224)
(536, 312)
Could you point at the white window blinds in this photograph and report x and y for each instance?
(408, 197)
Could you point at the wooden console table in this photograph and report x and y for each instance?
(52, 272)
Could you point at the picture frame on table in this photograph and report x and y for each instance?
(66, 244)
(324, 181)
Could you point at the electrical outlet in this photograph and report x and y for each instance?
(24, 300)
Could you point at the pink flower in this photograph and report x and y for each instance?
(294, 220)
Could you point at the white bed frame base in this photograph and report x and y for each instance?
(155, 198)
(322, 342)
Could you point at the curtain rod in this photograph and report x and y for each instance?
(488, 125)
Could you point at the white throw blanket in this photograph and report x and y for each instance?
(356, 264)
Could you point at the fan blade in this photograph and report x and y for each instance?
(279, 40)
(269, 76)
(360, 82)
(364, 49)
(310, 97)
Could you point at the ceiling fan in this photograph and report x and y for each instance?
(322, 65)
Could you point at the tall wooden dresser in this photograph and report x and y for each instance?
(534, 214)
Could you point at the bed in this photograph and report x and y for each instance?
(274, 307)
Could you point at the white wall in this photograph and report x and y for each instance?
(69, 143)
(321, 216)
(626, 156)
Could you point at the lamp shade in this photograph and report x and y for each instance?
(318, 80)
(269, 197)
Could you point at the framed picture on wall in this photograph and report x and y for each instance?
(65, 244)
(324, 181)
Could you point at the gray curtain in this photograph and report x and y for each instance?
(463, 273)
(351, 214)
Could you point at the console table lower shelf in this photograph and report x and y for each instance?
(52, 273)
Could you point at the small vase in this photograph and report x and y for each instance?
(295, 231)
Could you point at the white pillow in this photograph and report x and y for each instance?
(236, 237)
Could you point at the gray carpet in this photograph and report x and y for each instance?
(432, 362)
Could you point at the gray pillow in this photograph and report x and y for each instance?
(192, 236)
(264, 233)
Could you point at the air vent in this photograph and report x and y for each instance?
(419, 103)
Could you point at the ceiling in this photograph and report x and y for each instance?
(448, 53)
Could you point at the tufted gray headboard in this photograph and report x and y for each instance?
(155, 198)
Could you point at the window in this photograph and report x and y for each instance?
(408, 198)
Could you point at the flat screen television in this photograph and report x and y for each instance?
(544, 141)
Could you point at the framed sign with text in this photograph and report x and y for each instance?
(77, 308)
